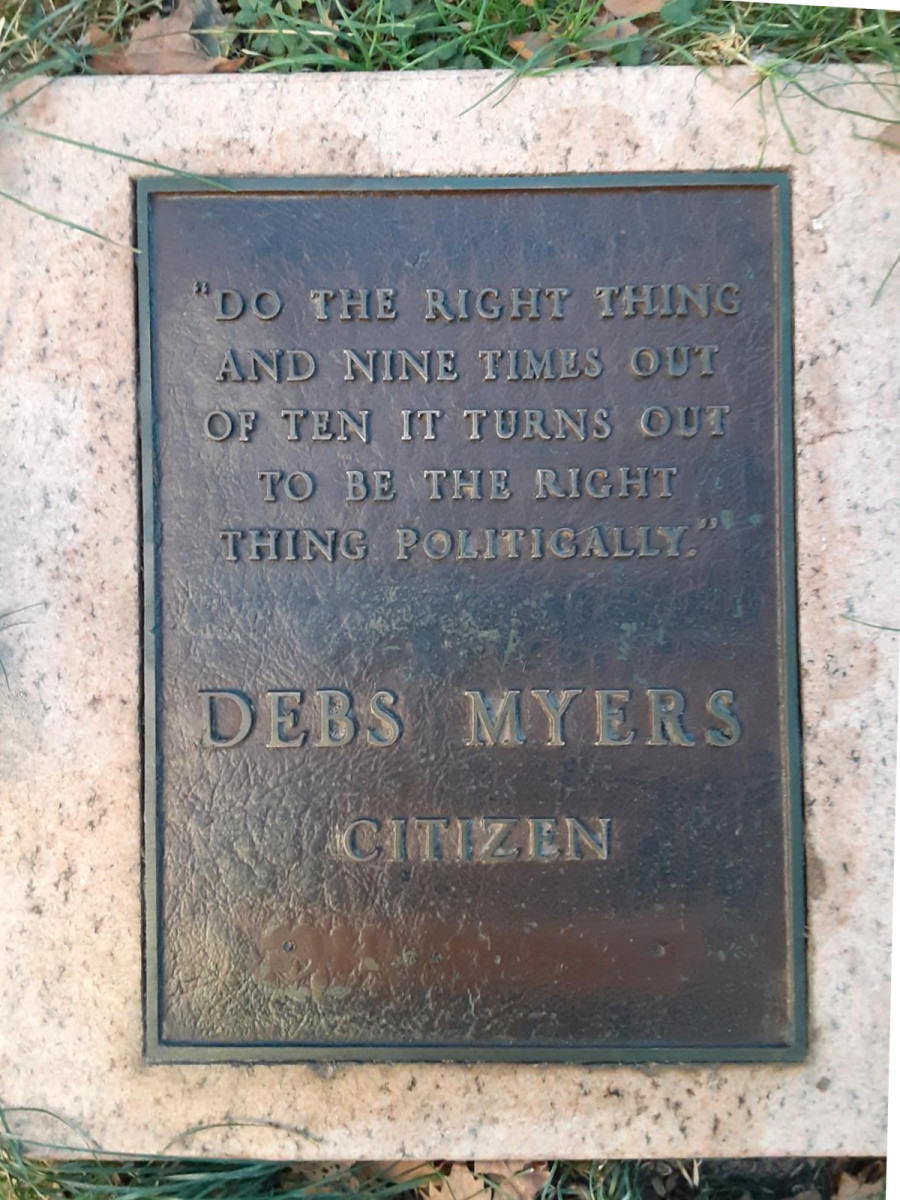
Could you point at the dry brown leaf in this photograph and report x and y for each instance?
(516, 1180)
(335, 50)
(460, 1184)
(633, 8)
(605, 31)
(163, 45)
(96, 38)
(400, 1172)
(526, 45)
(851, 1188)
(316, 1177)
(890, 136)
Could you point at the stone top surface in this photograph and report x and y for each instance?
(70, 834)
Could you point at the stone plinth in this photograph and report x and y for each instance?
(70, 812)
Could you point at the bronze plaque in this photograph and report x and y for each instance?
(471, 698)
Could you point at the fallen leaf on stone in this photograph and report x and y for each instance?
(459, 1184)
(633, 8)
(515, 1180)
(183, 43)
(890, 136)
(526, 45)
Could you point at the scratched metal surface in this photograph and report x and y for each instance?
(264, 938)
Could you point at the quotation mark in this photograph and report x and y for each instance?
(708, 523)
(201, 287)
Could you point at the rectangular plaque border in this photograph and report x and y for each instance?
(160, 1051)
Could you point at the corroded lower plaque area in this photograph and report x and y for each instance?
(471, 702)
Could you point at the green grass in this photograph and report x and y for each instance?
(28, 1178)
(48, 36)
(410, 34)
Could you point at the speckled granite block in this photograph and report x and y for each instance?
(70, 918)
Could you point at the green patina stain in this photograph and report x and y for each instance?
(623, 642)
